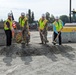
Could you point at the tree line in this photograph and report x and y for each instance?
(49, 17)
(64, 18)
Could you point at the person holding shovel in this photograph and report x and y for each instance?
(23, 21)
(43, 29)
(57, 27)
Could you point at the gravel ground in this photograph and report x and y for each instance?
(37, 59)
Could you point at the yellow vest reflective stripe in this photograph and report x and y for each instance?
(22, 22)
(5, 26)
(58, 26)
(42, 24)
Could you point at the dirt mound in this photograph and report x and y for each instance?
(33, 50)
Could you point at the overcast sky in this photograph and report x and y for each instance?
(55, 7)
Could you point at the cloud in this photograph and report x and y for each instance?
(55, 7)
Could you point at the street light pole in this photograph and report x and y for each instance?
(70, 11)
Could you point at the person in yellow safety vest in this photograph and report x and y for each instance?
(43, 28)
(57, 27)
(8, 30)
(23, 22)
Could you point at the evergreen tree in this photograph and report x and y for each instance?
(29, 16)
(32, 16)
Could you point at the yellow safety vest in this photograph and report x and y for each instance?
(58, 26)
(5, 26)
(42, 24)
(22, 22)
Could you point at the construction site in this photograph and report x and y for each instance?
(40, 47)
(37, 59)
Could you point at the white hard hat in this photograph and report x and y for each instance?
(22, 14)
(9, 14)
(43, 15)
(57, 17)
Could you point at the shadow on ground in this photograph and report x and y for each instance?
(50, 51)
(33, 50)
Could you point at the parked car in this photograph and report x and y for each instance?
(33, 26)
(50, 26)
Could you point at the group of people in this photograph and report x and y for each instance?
(42, 27)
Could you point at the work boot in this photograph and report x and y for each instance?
(23, 42)
(47, 41)
(42, 42)
(54, 43)
(26, 44)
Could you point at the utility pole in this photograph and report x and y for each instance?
(70, 12)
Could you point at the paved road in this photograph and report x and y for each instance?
(38, 59)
